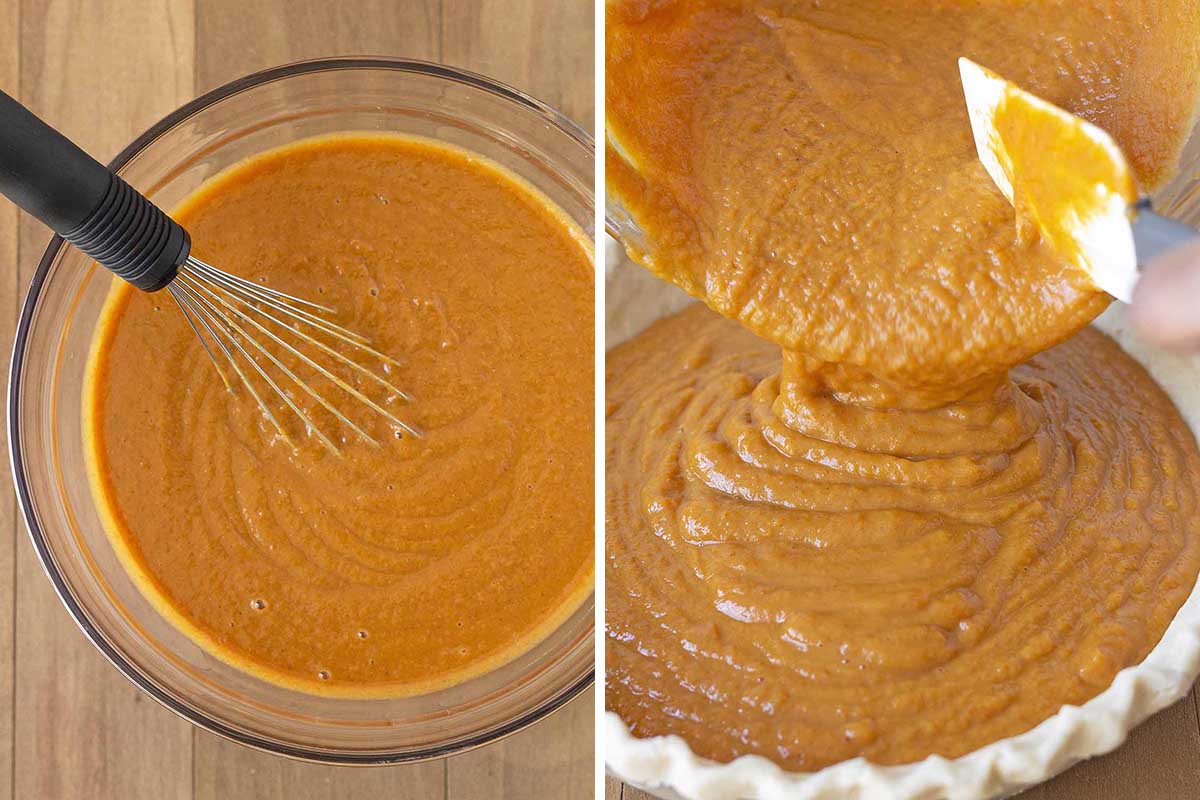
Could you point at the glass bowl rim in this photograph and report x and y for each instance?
(21, 482)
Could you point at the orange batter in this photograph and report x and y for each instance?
(380, 571)
(883, 543)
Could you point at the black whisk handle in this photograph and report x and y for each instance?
(132, 237)
(79, 198)
(43, 171)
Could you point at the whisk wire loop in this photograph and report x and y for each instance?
(299, 314)
(228, 316)
(234, 332)
(324, 347)
(221, 305)
(187, 315)
(204, 268)
(187, 304)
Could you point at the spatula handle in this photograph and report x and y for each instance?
(1154, 234)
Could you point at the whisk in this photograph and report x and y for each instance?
(87, 204)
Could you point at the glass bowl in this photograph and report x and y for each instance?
(250, 115)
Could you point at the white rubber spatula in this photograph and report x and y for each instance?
(1069, 178)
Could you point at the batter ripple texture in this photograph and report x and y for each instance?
(928, 584)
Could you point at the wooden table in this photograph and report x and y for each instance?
(103, 71)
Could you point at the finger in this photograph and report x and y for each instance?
(1166, 302)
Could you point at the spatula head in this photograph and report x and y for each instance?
(1065, 176)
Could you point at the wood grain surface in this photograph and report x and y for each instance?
(103, 71)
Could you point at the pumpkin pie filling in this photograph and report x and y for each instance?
(388, 569)
(887, 495)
